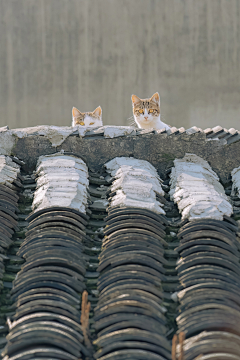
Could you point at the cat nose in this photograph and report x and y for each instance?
(145, 117)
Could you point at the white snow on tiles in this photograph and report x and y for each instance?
(62, 181)
(136, 184)
(196, 189)
(8, 170)
(236, 180)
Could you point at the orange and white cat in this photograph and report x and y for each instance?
(146, 112)
(87, 119)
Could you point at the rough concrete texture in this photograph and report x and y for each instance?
(159, 149)
(58, 54)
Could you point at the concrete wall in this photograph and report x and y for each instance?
(56, 54)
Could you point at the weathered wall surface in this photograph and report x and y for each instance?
(159, 149)
(58, 53)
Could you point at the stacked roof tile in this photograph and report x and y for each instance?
(9, 172)
(137, 184)
(235, 190)
(196, 189)
(10, 183)
(228, 136)
(209, 311)
(118, 235)
(129, 316)
(98, 187)
(47, 290)
(209, 265)
(62, 181)
(57, 135)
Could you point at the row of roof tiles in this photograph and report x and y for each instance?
(57, 134)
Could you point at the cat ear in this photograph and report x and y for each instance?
(135, 99)
(75, 112)
(156, 98)
(98, 111)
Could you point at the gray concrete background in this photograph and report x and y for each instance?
(55, 54)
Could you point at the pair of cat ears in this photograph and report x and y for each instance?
(155, 97)
(135, 100)
(76, 112)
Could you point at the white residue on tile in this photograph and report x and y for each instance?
(55, 134)
(62, 181)
(136, 184)
(7, 141)
(8, 170)
(196, 189)
(58, 134)
(236, 180)
(116, 131)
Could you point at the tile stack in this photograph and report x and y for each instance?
(129, 317)
(10, 183)
(209, 274)
(196, 189)
(98, 187)
(209, 310)
(230, 135)
(172, 256)
(235, 192)
(137, 184)
(12, 262)
(47, 290)
(9, 172)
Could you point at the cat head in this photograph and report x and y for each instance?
(146, 111)
(87, 119)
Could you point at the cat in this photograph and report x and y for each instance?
(146, 112)
(87, 119)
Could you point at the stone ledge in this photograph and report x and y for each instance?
(159, 149)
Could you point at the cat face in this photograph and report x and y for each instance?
(146, 111)
(87, 119)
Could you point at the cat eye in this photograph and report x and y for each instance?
(82, 123)
(140, 111)
(92, 123)
(151, 110)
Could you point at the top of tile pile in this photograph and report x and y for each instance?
(57, 134)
